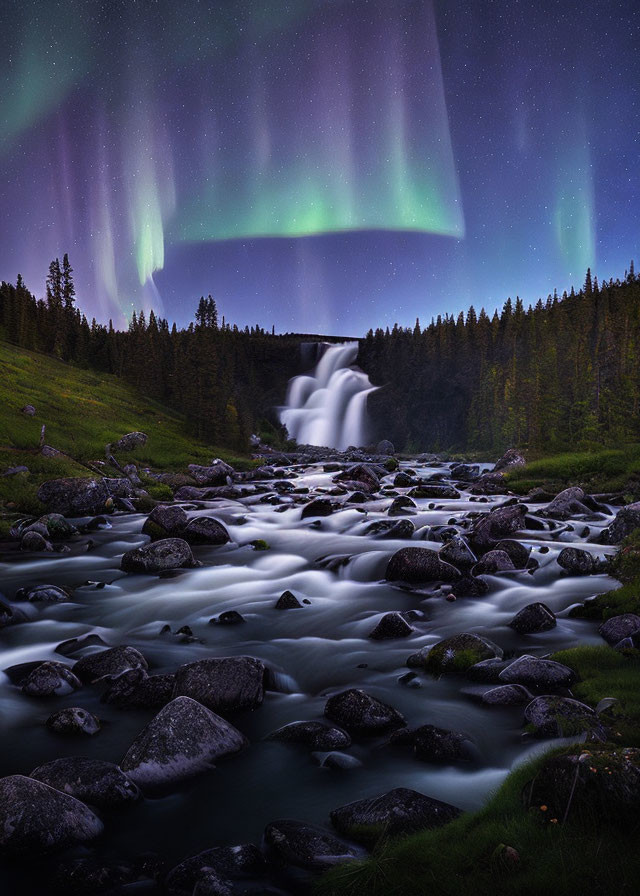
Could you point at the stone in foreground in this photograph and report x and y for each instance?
(306, 846)
(536, 673)
(223, 684)
(418, 565)
(94, 781)
(183, 739)
(168, 553)
(400, 811)
(552, 716)
(362, 715)
(35, 817)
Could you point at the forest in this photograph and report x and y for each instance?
(562, 374)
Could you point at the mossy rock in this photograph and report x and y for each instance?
(456, 654)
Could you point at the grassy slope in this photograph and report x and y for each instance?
(83, 411)
(606, 470)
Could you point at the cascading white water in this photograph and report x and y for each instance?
(328, 407)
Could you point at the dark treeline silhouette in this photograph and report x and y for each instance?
(563, 374)
(222, 378)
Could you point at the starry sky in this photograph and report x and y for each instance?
(322, 166)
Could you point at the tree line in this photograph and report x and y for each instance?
(559, 375)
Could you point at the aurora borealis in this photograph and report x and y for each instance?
(319, 165)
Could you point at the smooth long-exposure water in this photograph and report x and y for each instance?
(314, 651)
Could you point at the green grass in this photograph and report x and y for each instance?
(82, 411)
(608, 470)
(470, 856)
(611, 603)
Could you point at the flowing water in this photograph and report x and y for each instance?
(328, 406)
(316, 650)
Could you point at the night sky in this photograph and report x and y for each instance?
(318, 165)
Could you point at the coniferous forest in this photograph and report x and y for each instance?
(562, 374)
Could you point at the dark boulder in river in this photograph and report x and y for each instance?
(552, 716)
(74, 497)
(306, 846)
(362, 715)
(534, 672)
(50, 679)
(169, 553)
(165, 520)
(417, 565)
(183, 739)
(109, 663)
(617, 628)
(498, 524)
(205, 530)
(233, 862)
(400, 811)
(577, 561)
(314, 735)
(223, 684)
(511, 459)
(73, 720)
(392, 625)
(35, 817)
(533, 618)
(137, 690)
(625, 522)
(94, 781)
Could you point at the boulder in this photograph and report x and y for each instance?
(519, 553)
(397, 812)
(46, 594)
(137, 690)
(35, 817)
(577, 562)
(229, 617)
(626, 521)
(34, 541)
(457, 552)
(306, 846)
(487, 671)
(168, 553)
(227, 861)
(497, 525)
(217, 473)
(567, 504)
(210, 493)
(223, 684)
(392, 625)
(165, 520)
(74, 497)
(438, 492)
(94, 781)
(552, 716)
(362, 715)
(602, 784)
(537, 673)
(205, 530)
(288, 601)
(494, 561)
(507, 695)
(364, 474)
(385, 447)
(314, 735)
(401, 505)
(617, 628)
(73, 720)
(129, 442)
(318, 507)
(454, 655)
(510, 460)
(418, 565)
(432, 744)
(11, 615)
(533, 618)
(183, 739)
(470, 586)
(109, 663)
(50, 679)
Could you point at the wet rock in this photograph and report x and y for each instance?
(567, 504)
(314, 735)
(533, 618)
(73, 720)
(318, 507)
(288, 601)
(627, 519)
(494, 562)
(620, 627)
(518, 552)
(49, 594)
(137, 690)
(130, 442)
(229, 617)
(50, 679)
(305, 846)
(205, 530)
(74, 497)
(223, 684)
(498, 525)
(400, 811)
(392, 625)
(183, 739)
(94, 781)
(362, 715)
(489, 484)
(439, 492)
(226, 861)
(11, 615)
(217, 473)
(165, 520)
(432, 744)
(577, 562)
(458, 553)
(417, 565)
(89, 876)
(511, 459)
(551, 716)
(109, 663)
(364, 474)
(507, 695)
(336, 760)
(470, 586)
(401, 505)
(464, 472)
(33, 541)
(75, 645)
(169, 553)
(403, 480)
(35, 817)
(385, 447)
(487, 671)
(537, 673)
(603, 783)
(454, 655)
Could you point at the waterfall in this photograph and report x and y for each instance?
(328, 406)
